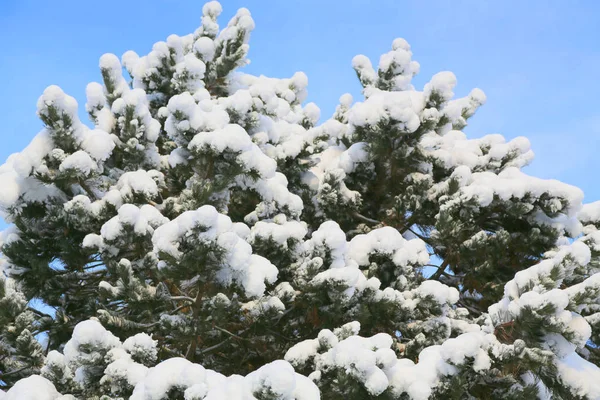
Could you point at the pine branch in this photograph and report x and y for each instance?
(423, 238)
(450, 279)
(216, 346)
(286, 312)
(5, 374)
(367, 220)
(436, 275)
(182, 298)
(229, 333)
(39, 313)
(181, 307)
(475, 311)
(88, 190)
(191, 352)
(407, 224)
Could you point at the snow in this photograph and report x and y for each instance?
(14, 174)
(345, 257)
(388, 241)
(238, 264)
(399, 63)
(194, 66)
(580, 375)
(403, 108)
(205, 48)
(122, 368)
(143, 220)
(329, 237)
(138, 182)
(555, 298)
(11, 189)
(584, 294)
(54, 97)
(80, 161)
(212, 8)
(90, 335)
(234, 138)
(111, 66)
(94, 94)
(141, 345)
(275, 190)
(98, 144)
(137, 101)
(279, 379)
(56, 361)
(454, 150)
(438, 291)
(589, 213)
(280, 232)
(312, 113)
(538, 288)
(534, 278)
(302, 352)
(276, 378)
(264, 305)
(129, 59)
(174, 372)
(202, 117)
(441, 84)
(206, 219)
(513, 183)
(371, 361)
(274, 95)
(418, 380)
(178, 156)
(262, 124)
(286, 140)
(562, 201)
(33, 387)
(349, 277)
(241, 24)
(364, 69)
(346, 100)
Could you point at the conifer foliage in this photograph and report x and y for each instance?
(211, 237)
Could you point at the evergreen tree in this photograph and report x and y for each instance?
(209, 239)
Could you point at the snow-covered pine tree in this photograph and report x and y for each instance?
(209, 239)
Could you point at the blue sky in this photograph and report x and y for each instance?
(537, 61)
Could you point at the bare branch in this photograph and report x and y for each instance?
(182, 298)
(367, 220)
(229, 333)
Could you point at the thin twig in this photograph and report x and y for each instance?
(286, 312)
(423, 238)
(196, 309)
(216, 346)
(229, 333)
(182, 298)
(436, 275)
(368, 220)
(88, 190)
(4, 375)
(407, 224)
(468, 307)
(38, 312)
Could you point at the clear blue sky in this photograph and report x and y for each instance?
(537, 61)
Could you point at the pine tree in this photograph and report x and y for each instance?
(209, 239)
